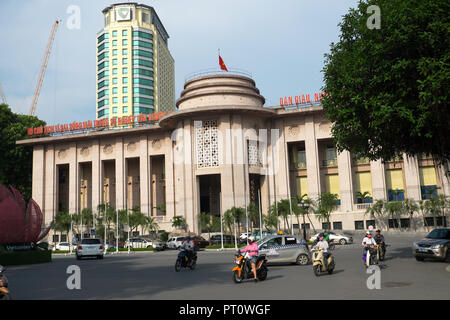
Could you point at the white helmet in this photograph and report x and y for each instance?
(251, 238)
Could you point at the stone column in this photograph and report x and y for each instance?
(345, 181)
(170, 187)
(74, 191)
(120, 175)
(38, 176)
(412, 178)
(49, 185)
(144, 174)
(378, 180)
(189, 182)
(97, 181)
(312, 159)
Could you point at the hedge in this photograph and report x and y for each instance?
(25, 257)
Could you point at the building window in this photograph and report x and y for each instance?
(370, 223)
(114, 33)
(140, 100)
(441, 222)
(64, 238)
(124, 33)
(306, 226)
(115, 71)
(125, 100)
(144, 82)
(124, 42)
(115, 110)
(359, 225)
(144, 63)
(429, 222)
(114, 80)
(114, 43)
(143, 91)
(330, 157)
(114, 90)
(404, 223)
(114, 62)
(125, 52)
(56, 238)
(326, 226)
(143, 72)
(125, 109)
(337, 225)
(206, 143)
(125, 80)
(142, 53)
(115, 100)
(124, 61)
(143, 44)
(125, 90)
(396, 195)
(125, 70)
(114, 52)
(393, 223)
(145, 17)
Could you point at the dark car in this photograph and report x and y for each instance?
(217, 239)
(199, 242)
(436, 245)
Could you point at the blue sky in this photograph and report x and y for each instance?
(281, 43)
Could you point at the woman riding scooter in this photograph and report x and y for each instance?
(252, 250)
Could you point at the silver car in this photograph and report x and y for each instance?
(285, 248)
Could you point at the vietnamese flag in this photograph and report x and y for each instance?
(222, 64)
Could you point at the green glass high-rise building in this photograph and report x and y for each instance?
(135, 70)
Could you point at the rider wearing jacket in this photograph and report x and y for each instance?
(188, 245)
(323, 243)
(367, 242)
(252, 250)
(379, 239)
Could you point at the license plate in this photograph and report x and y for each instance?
(423, 249)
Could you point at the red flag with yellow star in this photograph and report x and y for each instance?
(222, 64)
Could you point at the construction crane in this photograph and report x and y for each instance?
(2, 95)
(37, 91)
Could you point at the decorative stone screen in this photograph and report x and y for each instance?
(254, 154)
(206, 144)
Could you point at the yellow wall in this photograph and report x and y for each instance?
(332, 184)
(427, 176)
(363, 182)
(302, 186)
(394, 179)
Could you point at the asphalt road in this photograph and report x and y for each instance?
(151, 275)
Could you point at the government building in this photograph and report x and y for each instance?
(222, 148)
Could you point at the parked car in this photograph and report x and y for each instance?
(336, 238)
(63, 246)
(257, 234)
(158, 245)
(285, 248)
(89, 248)
(175, 242)
(436, 245)
(217, 239)
(138, 243)
(200, 242)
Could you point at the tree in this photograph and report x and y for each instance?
(208, 222)
(271, 220)
(394, 209)
(62, 222)
(306, 208)
(228, 220)
(178, 222)
(253, 215)
(376, 210)
(16, 160)
(326, 203)
(363, 196)
(410, 206)
(386, 90)
(282, 208)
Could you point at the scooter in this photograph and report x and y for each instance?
(318, 262)
(183, 260)
(243, 268)
(381, 251)
(4, 292)
(371, 256)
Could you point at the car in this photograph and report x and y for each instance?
(89, 248)
(285, 248)
(336, 238)
(436, 245)
(175, 242)
(63, 246)
(139, 242)
(158, 245)
(200, 242)
(217, 239)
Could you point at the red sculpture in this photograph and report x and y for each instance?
(19, 224)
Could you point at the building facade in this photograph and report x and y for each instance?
(135, 70)
(223, 149)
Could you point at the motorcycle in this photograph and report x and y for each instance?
(243, 268)
(4, 292)
(381, 251)
(371, 256)
(318, 262)
(183, 260)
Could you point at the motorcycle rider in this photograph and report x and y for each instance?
(188, 245)
(379, 239)
(252, 249)
(323, 243)
(366, 243)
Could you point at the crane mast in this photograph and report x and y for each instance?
(48, 49)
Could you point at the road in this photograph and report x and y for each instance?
(151, 275)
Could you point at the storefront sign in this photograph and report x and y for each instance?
(97, 124)
(301, 99)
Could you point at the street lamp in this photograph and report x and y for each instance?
(305, 207)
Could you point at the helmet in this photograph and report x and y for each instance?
(378, 231)
(251, 238)
(321, 235)
(368, 234)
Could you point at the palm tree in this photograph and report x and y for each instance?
(363, 196)
(325, 205)
(178, 222)
(151, 225)
(376, 210)
(394, 209)
(228, 220)
(253, 215)
(270, 220)
(410, 206)
(61, 222)
(282, 208)
(422, 210)
(306, 208)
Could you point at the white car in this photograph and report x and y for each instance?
(89, 248)
(63, 246)
(336, 238)
(138, 243)
(175, 242)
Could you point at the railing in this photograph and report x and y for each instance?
(214, 71)
(362, 161)
(300, 165)
(329, 163)
(363, 206)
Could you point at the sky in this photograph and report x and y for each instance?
(280, 43)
